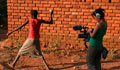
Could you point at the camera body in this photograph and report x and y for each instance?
(84, 35)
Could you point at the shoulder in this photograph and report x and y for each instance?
(98, 25)
(30, 19)
(103, 24)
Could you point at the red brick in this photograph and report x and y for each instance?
(89, 0)
(10, 17)
(31, 5)
(36, 2)
(28, 8)
(76, 6)
(112, 7)
(21, 8)
(35, 8)
(73, 32)
(72, 16)
(84, 17)
(102, 4)
(14, 14)
(51, 2)
(104, 7)
(16, 17)
(111, 28)
(67, 19)
(44, 2)
(68, 6)
(111, 14)
(67, 13)
(21, 1)
(56, 28)
(116, 32)
(73, 10)
(118, 15)
(21, 20)
(72, 23)
(59, 26)
(58, 22)
(66, 26)
(117, 24)
(14, 20)
(59, 31)
(14, 1)
(66, 32)
(98, 0)
(54, 6)
(108, 11)
(16, 5)
(42, 9)
(57, 9)
(66, 3)
(14, 8)
(16, 11)
(53, 31)
(94, 4)
(65, 9)
(45, 30)
(75, 20)
(115, 0)
(46, 5)
(116, 11)
(117, 4)
(50, 28)
(28, 1)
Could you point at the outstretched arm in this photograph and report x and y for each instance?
(26, 22)
(51, 19)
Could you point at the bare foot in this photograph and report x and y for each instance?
(11, 66)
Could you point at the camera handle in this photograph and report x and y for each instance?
(85, 43)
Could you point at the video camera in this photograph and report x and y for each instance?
(84, 35)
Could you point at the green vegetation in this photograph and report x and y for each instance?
(113, 53)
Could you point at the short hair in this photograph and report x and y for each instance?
(34, 12)
(99, 13)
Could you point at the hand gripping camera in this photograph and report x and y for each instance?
(84, 35)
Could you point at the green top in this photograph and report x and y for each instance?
(98, 39)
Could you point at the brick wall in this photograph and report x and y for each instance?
(67, 13)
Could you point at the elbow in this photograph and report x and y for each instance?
(92, 36)
(51, 22)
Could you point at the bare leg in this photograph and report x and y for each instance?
(45, 63)
(16, 59)
(40, 53)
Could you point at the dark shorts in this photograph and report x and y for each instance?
(93, 58)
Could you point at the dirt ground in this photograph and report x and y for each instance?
(57, 59)
(66, 58)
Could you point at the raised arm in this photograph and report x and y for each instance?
(26, 22)
(51, 19)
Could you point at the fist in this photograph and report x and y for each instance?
(51, 12)
(9, 33)
(88, 32)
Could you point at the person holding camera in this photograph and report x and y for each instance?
(95, 43)
(31, 47)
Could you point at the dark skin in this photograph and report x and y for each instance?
(97, 27)
(27, 21)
